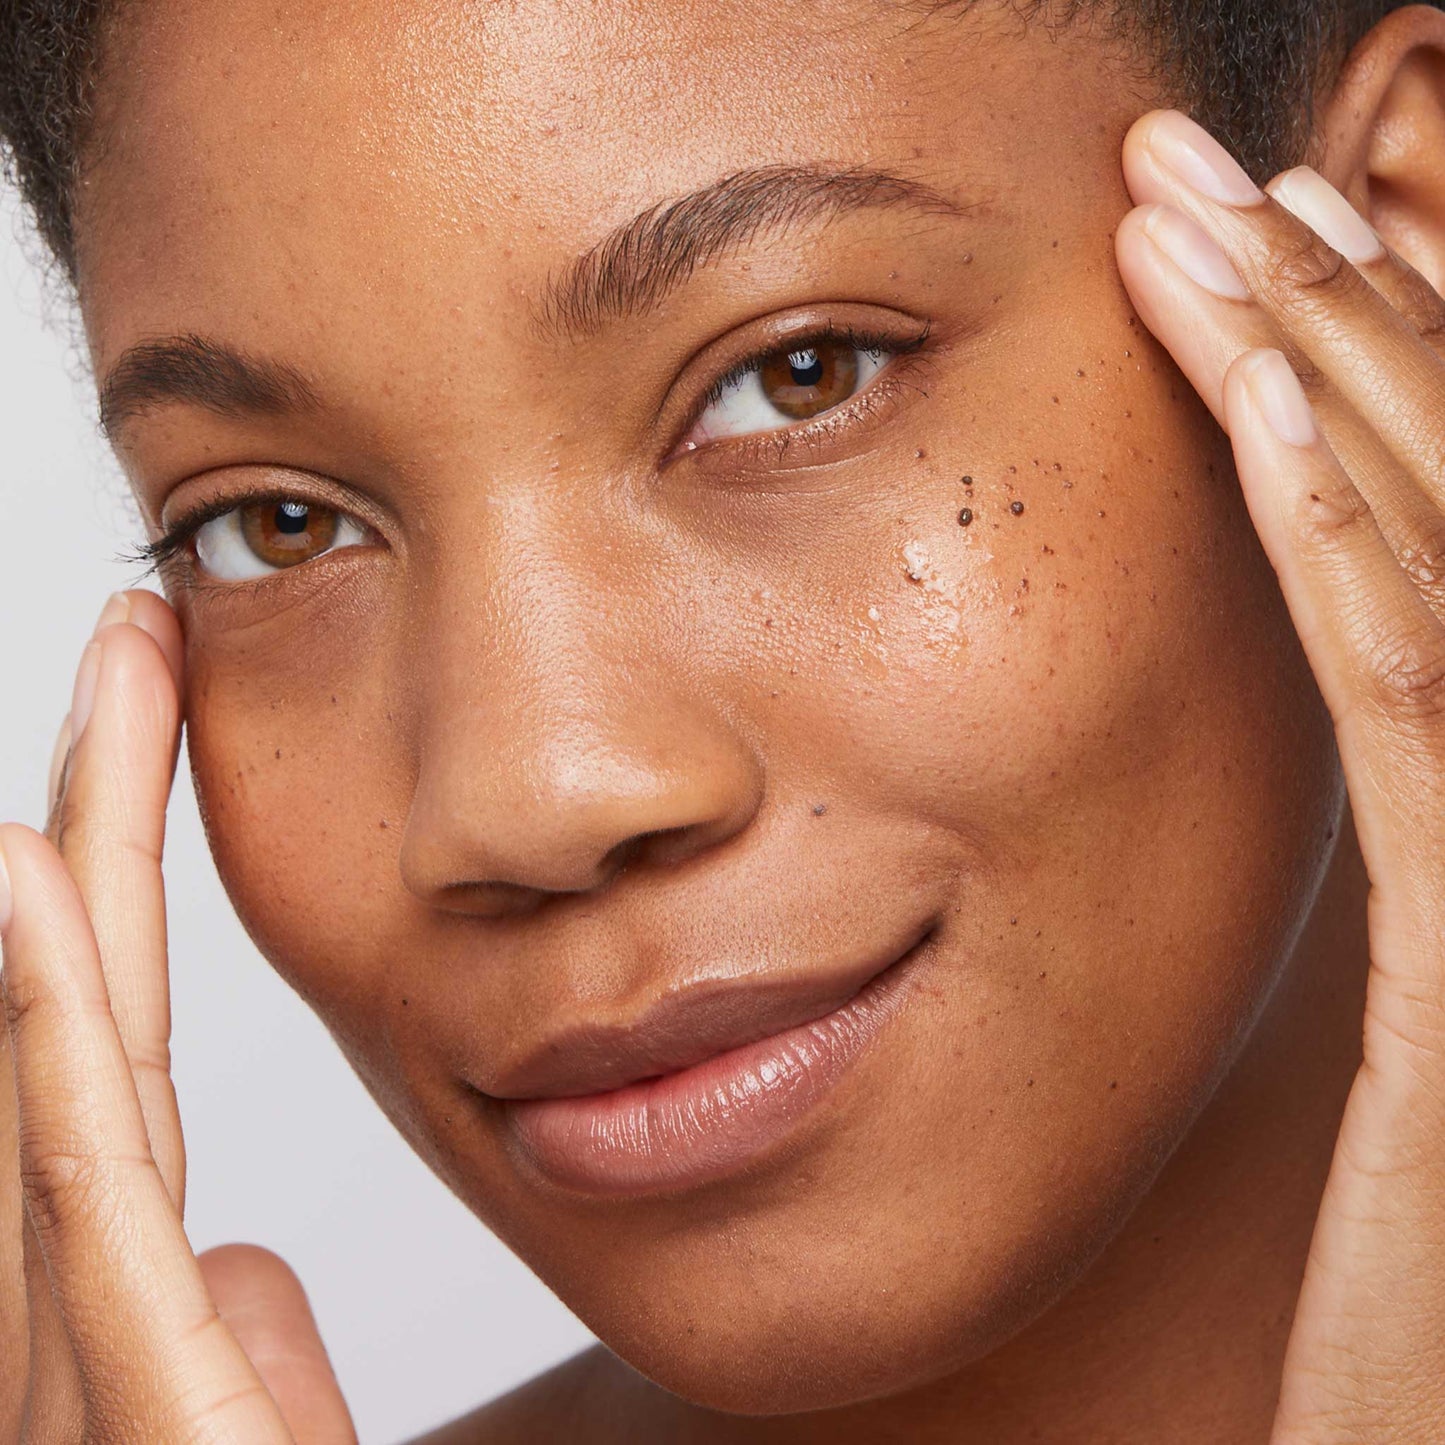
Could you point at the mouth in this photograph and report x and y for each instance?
(714, 1111)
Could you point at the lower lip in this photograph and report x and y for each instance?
(702, 1123)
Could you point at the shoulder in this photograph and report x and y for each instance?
(592, 1399)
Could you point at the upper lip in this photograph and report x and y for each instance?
(683, 1028)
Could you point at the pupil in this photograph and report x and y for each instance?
(806, 366)
(291, 517)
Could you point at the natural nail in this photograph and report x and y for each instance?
(83, 698)
(1200, 161)
(6, 896)
(57, 764)
(1308, 195)
(1280, 398)
(116, 609)
(1194, 252)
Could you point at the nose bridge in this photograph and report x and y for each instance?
(562, 732)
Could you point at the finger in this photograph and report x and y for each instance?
(1377, 361)
(110, 825)
(59, 761)
(1376, 648)
(155, 1360)
(1306, 194)
(14, 1327)
(266, 1309)
(1188, 295)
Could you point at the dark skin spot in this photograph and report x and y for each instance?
(965, 517)
(819, 809)
(1017, 508)
(278, 754)
(968, 481)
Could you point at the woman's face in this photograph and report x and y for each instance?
(647, 699)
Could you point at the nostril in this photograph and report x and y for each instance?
(659, 845)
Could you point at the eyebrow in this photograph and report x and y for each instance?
(632, 270)
(204, 373)
(628, 273)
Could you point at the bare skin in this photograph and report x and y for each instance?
(601, 701)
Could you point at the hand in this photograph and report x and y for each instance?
(1325, 363)
(128, 1335)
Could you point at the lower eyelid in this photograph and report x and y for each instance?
(882, 389)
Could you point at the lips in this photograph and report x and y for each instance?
(701, 1083)
(685, 1028)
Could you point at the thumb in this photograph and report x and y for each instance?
(263, 1304)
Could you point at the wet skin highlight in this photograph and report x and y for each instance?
(595, 718)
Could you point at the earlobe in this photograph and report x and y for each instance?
(1384, 134)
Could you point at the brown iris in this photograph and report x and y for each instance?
(283, 533)
(810, 379)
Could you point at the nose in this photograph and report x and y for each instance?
(544, 769)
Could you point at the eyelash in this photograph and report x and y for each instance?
(166, 551)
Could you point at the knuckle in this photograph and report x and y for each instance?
(1304, 268)
(1422, 555)
(1329, 516)
(60, 1186)
(1408, 679)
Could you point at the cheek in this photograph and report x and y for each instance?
(297, 774)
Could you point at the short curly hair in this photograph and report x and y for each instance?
(1247, 69)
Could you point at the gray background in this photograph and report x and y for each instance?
(424, 1312)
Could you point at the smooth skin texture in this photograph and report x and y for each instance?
(554, 741)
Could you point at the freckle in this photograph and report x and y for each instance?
(1058, 466)
(1056, 246)
(1047, 550)
(278, 754)
(405, 1002)
(383, 823)
(1113, 1083)
(1031, 1083)
(1016, 508)
(965, 517)
(1014, 470)
(1314, 497)
(767, 622)
(968, 481)
(920, 454)
(819, 809)
(1044, 974)
(968, 258)
(1056, 401)
(333, 700)
(1101, 512)
(1013, 920)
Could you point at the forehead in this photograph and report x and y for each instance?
(249, 154)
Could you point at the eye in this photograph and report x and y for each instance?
(256, 538)
(793, 385)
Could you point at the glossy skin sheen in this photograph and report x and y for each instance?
(598, 719)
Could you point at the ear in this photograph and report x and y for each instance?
(1383, 134)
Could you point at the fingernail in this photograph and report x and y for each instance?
(57, 764)
(1200, 161)
(1194, 252)
(116, 609)
(6, 897)
(1308, 195)
(83, 698)
(1280, 398)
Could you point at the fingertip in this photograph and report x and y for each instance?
(1141, 171)
(150, 612)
